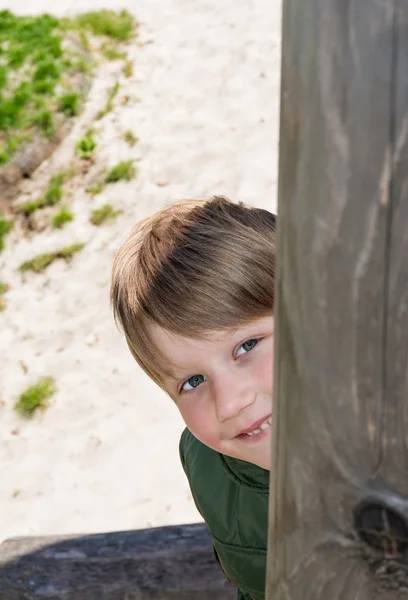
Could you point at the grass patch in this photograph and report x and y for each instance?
(115, 25)
(111, 52)
(39, 263)
(130, 137)
(109, 103)
(10, 145)
(52, 195)
(63, 217)
(38, 62)
(128, 68)
(6, 225)
(32, 59)
(3, 289)
(54, 191)
(69, 104)
(35, 397)
(84, 40)
(45, 122)
(103, 214)
(124, 170)
(95, 188)
(86, 146)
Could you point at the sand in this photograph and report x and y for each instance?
(204, 103)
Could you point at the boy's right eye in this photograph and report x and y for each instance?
(193, 382)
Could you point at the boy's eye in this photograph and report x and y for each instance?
(247, 346)
(193, 382)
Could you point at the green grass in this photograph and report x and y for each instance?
(3, 289)
(35, 397)
(31, 66)
(54, 192)
(6, 225)
(124, 170)
(10, 144)
(109, 103)
(61, 218)
(86, 146)
(95, 188)
(115, 25)
(84, 40)
(111, 52)
(35, 64)
(52, 195)
(128, 68)
(45, 122)
(130, 137)
(103, 214)
(39, 263)
(69, 104)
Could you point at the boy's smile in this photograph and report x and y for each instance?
(222, 386)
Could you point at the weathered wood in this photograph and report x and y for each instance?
(174, 562)
(339, 478)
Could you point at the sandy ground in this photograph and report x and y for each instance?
(104, 456)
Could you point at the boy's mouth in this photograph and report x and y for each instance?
(256, 428)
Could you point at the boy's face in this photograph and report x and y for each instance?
(223, 387)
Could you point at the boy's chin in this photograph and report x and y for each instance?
(261, 458)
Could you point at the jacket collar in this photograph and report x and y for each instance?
(246, 473)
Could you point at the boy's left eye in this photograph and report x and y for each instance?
(247, 346)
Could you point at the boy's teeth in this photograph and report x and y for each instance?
(262, 427)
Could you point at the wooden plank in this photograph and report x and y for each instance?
(339, 478)
(160, 563)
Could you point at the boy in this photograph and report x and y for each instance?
(193, 290)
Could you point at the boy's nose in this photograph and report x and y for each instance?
(232, 396)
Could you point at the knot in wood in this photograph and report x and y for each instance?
(382, 525)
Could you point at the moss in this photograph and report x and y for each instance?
(103, 214)
(124, 170)
(35, 397)
(63, 217)
(39, 263)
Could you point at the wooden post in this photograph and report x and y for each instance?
(339, 478)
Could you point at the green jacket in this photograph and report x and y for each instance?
(232, 497)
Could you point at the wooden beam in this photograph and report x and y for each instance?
(339, 478)
(161, 563)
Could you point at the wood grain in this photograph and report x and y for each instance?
(341, 370)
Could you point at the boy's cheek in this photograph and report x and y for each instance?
(263, 373)
(198, 423)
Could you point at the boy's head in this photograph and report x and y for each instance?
(193, 290)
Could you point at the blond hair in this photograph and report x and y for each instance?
(192, 268)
